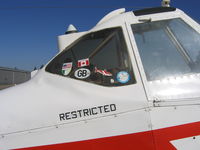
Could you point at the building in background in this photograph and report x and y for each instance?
(10, 77)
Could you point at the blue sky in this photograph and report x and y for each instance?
(29, 28)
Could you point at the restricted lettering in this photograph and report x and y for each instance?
(87, 112)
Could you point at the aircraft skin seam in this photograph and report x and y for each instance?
(63, 124)
(147, 109)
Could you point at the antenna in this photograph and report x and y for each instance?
(71, 29)
(166, 3)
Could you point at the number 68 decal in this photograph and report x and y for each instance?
(82, 73)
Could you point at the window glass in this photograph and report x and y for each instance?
(191, 42)
(164, 49)
(99, 57)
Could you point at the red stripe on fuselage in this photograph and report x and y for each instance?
(164, 136)
(139, 141)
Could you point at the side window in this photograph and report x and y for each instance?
(99, 57)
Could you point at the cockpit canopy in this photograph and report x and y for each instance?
(163, 43)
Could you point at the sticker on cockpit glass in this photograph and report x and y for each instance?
(112, 81)
(103, 72)
(123, 77)
(66, 68)
(82, 73)
(83, 62)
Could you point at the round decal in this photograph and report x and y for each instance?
(123, 77)
(82, 73)
(112, 81)
(66, 68)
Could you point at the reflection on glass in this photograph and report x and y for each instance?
(167, 48)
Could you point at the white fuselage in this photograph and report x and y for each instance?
(56, 112)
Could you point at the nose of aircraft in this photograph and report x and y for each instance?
(13, 107)
(28, 106)
(19, 108)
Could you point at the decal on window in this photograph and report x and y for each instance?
(82, 73)
(103, 72)
(83, 63)
(112, 81)
(66, 68)
(123, 77)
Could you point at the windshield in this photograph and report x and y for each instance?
(167, 48)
